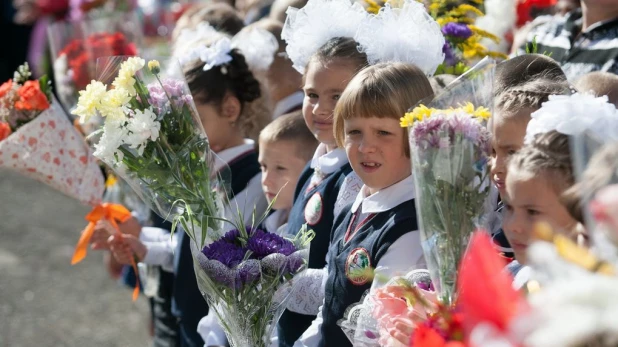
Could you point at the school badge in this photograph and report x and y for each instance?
(313, 209)
(358, 266)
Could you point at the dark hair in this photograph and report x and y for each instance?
(233, 77)
(524, 68)
(221, 16)
(341, 48)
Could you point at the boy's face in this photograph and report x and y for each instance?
(508, 132)
(375, 150)
(324, 84)
(281, 169)
(530, 199)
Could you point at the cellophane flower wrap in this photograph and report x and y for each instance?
(246, 278)
(38, 140)
(75, 46)
(450, 148)
(153, 139)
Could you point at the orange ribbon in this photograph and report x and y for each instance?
(115, 214)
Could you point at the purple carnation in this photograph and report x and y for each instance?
(458, 30)
(449, 56)
(231, 236)
(262, 243)
(174, 89)
(227, 253)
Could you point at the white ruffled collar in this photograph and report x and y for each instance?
(328, 162)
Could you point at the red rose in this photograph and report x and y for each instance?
(31, 98)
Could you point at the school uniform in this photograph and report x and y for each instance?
(315, 198)
(495, 212)
(378, 231)
(291, 103)
(245, 193)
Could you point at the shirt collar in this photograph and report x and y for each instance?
(288, 103)
(275, 220)
(228, 155)
(385, 199)
(330, 162)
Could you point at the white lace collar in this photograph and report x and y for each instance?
(385, 199)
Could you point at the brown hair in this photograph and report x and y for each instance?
(548, 154)
(221, 16)
(600, 83)
(383, 91)
(601, 171)
(291, 127)
(344, 48)
(279, 8)
(526, 82)
(237, 79)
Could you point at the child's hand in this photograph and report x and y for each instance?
(126, 247)
(114, 268)
(102, 231)
(131, 227)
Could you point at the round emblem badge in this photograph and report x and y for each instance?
(313, 209)
(356, 266)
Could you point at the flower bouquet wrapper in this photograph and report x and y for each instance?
(247, 279)
(153, 139)
(49, 149)
(76, 45)
(450, 148)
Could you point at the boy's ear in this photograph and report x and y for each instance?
(231, 107)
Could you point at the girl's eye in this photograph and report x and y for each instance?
(336, 97)
(532, 212)
(383, 132)
(281, 168)
(312, 95)
(353, 132)
(511, 152)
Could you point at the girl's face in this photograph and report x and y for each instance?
(375, 150)
(220, 128)
(508, 134)
(281, 169)
(530, 199)
(324, 83)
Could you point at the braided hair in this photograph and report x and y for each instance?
(531, 94)
(548, 154)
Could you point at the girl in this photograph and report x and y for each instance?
(379, 229)
(224, 95)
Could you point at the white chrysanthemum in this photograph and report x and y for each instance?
(114, 104)
(89, 100)
(407, 34)
(143, 126)
(309, 28)
(127, 71)
(258, 46)
(574, 115)
(113, 137)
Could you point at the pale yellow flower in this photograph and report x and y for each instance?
(114, 104)
(89, 100)
(125, 79)
(418, 114)
(154, 66)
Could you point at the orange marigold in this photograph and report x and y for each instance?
(31, 98)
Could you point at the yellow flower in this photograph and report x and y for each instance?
(89, 100)
(463, 10)
(113, 104)
(127, 71)
(154, 66)
(111, 181)
(418, 114)
(484, 33)
(480, 112)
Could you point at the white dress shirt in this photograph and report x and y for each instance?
(288, 103)
(404, 254)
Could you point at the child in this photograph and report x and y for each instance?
(599, 84)
(380, 228)
(521, 86)
(223, 96)
(538, 175)
(286, 145)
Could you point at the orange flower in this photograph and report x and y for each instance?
(31, 97)
(5, 87)
(5, 130)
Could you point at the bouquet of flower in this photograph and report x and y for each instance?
(245, 277)
(154, 140)
(76, 45)
(38, 140)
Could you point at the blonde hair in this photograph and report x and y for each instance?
(549, 154)
(291, 127)
(384, 90)
(600, 83)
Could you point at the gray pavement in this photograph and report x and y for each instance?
(44, 301)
